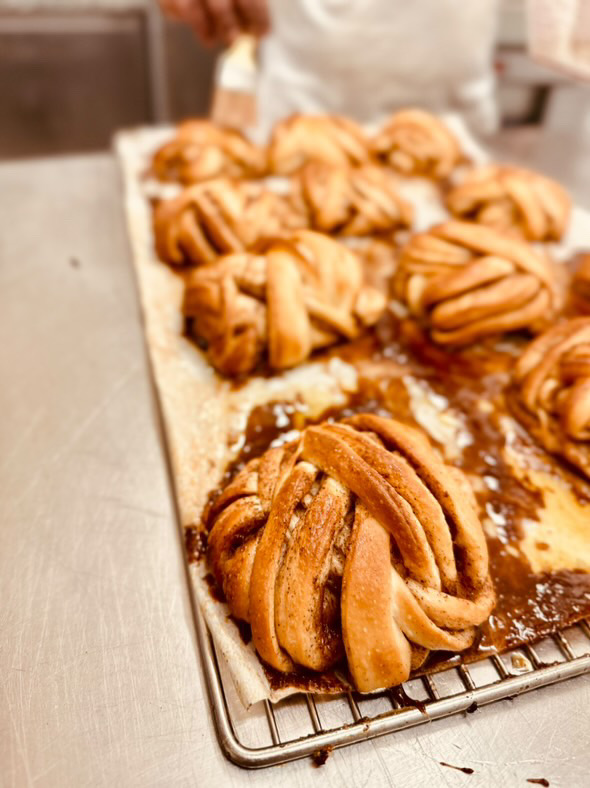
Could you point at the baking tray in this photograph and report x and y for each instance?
(303, 725)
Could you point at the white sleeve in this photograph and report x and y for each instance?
(475, 100)
(559, 34)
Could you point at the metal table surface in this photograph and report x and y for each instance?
(101, 682)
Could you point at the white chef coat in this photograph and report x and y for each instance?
(365, 58)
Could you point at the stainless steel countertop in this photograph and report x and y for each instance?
(101, 683)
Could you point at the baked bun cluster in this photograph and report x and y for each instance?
(355, 542)
(340, 182)
(412, 142)
(356, 545)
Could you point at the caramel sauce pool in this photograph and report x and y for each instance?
(529, 605)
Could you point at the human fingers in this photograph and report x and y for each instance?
(194, 13)
(224, 20)
(254, 16)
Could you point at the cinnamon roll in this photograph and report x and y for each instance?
(357, 543)
(303, 293)
(350, 201)
(415, 142)
(551, 393)
(328, 138)
(218, 217)
(467, 281)
(202, 150)
(512, 199)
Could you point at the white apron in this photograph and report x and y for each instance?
(365, 58)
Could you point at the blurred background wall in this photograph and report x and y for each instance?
(73, 71)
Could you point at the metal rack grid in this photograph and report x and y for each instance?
(271, 734)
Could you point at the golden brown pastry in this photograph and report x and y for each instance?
(350, 201)
(303, 293)
(580, 286)
(379, 259)
(201, 150)
(552, 391)
(218, 217)
(512, 199)
(355, 541)
(466, 281)
(329, 138)
(415, 142)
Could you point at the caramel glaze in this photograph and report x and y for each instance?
(195, 542)
(529, 605)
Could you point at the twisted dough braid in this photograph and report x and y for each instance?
(202, 150)
(350, 201)
(356, 541)
(303, 293)
(218, 217)
(512, 199)
(580, 286)
(466, 281)
(551, 395)
(328, 138)
(414, 142)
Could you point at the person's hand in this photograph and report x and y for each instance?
(220, 21)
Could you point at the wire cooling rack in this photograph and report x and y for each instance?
(303, 725)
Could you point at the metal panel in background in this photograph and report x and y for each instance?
(69, 80)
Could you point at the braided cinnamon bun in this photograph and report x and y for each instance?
(357, 542)
(466, 281)
(303, 293)
(328, 138)
(415, 142)
(218, 217)
(201, 150)
(512, 199)
(350, 201)
(551, 394)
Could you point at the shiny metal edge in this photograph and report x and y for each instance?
(366, 727)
